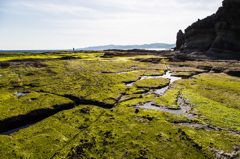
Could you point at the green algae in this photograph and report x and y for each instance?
(152, 83)
(134, 90)
(182, 74)
(151, 66)
(79, 78)
(123, 131)
(118, 135)
(168, 100)
(215, 96)
(154, 73)
(129, 97)
(11, 106)
(217, 114)
(89, 131)
(48, 55)
(138, 101)
(211, 139)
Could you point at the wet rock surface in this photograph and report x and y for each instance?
(183, 109)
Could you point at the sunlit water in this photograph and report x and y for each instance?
(149, 105)
(21, 94)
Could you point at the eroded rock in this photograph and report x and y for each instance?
(217, 35)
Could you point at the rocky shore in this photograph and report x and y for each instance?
(118, 104)
(128, 103)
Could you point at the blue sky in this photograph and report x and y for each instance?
(64, 24)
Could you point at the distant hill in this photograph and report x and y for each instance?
(126, 47)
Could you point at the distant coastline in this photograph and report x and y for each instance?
(42, 51)
(153, 46)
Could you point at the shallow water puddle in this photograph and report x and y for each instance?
(130, 84)
(160, 91)
(183, 111)
(149, 105)
(167, 75)
(121, 72)
(21, 94)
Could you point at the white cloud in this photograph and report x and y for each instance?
(97, 22)
(54, 8)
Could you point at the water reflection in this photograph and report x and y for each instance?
(184, 109)
(21, 94)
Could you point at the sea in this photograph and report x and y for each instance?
(33, 51)
(159, 49)
(41, 51)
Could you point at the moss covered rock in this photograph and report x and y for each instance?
(168, 100)
(152, 83)
(85, 84)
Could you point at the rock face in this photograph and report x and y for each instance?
(218, 34)
(180, 40)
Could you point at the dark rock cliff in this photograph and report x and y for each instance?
(218, 34)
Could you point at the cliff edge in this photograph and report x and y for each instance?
(216, 35)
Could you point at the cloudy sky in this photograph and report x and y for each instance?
(64, 24)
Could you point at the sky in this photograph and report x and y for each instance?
(66, 24)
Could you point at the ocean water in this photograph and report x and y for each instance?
(33, 51)
(159, 49)
(40, 51)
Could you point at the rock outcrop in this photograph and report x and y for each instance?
(218, 34)
(180, 40)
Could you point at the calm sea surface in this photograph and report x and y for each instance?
(40, 51)
(34, 51)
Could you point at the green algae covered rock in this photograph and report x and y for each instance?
(89, 131)
(215, 96)
(92, 113)
(152, 83)
(168, 100)
(11, 105)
